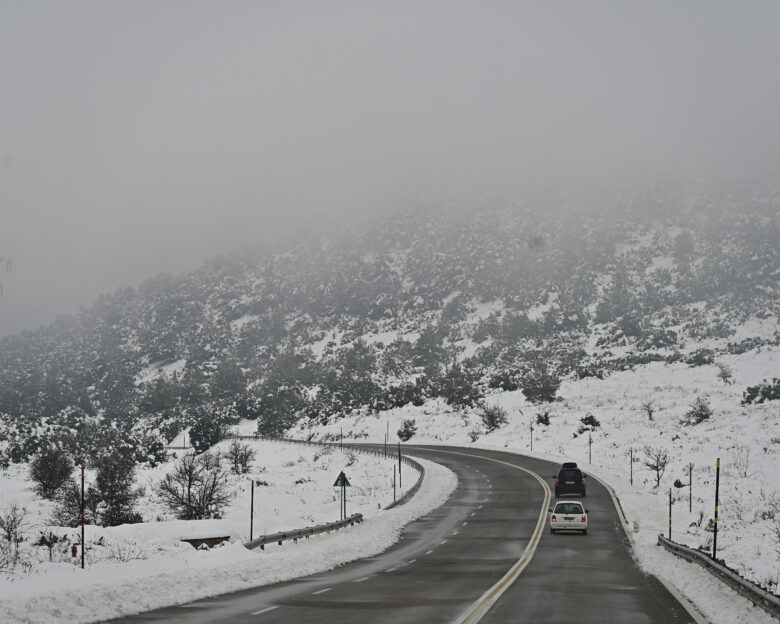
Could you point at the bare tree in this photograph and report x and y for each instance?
(240, 456)
(656, 459)
(725, 374)
(197, 487)
(649, 409)
(13, 522)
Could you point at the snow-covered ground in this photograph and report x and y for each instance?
(745, 438)
(137, 567)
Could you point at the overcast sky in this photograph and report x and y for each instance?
(138, 137)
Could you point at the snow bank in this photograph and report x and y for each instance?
(111, 591)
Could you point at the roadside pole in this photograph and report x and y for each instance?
(590, 448)
(717, 488)
(532, 437)
(252, 512)
(690, 487)
(399, 464)
(670, 514)
(394, 471)
(82, 518)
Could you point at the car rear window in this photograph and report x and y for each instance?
(570, 475)
(568, 508)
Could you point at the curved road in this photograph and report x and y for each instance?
(448, 559)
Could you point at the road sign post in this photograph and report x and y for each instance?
(343, 483)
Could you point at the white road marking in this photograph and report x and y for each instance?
(480, 507)
(429, 552)
(443, 542)
(322, 591)
(465, 523)
(454, 532)
(391, 570)
(474, 513)
(411, 562)
(263, 611)
(365, 578)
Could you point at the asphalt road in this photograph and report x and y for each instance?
(448, 559)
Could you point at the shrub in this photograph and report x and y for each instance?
(699, 411)
(240, 456)
(701, 357)
(458, 388)
(543, 418)
(407, 430)
(656, 459)
(493, 416)
(540, 384)
(762, 392)
(66, 513)
(114, 486)
(50, 469)
(197, 488)
(588, 423)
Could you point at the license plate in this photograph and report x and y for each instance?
(568, 517)
(570, 483)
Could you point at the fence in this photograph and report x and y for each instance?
(755, 594)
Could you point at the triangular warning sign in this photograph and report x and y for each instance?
(342, 481)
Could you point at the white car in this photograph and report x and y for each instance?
(569, 516)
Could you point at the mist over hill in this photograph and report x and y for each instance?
(427, 301)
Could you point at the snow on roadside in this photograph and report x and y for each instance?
(105, 592)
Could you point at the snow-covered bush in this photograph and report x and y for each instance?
(50, 469)
(493, 416)
(407, 430)
(699, 411)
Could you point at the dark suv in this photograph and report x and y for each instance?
(570, 480)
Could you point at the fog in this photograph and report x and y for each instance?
(140, 137)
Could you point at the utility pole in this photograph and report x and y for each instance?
(532, 437)
(670, 514)
(631, 461)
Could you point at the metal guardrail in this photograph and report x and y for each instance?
(755, 594)
(296, 534)
(260, 542)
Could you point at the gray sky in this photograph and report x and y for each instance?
(138, 137)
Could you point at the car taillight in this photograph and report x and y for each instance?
(554, 519)
(584, 518)
(557, 482)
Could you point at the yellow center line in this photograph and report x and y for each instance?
(477, 611)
